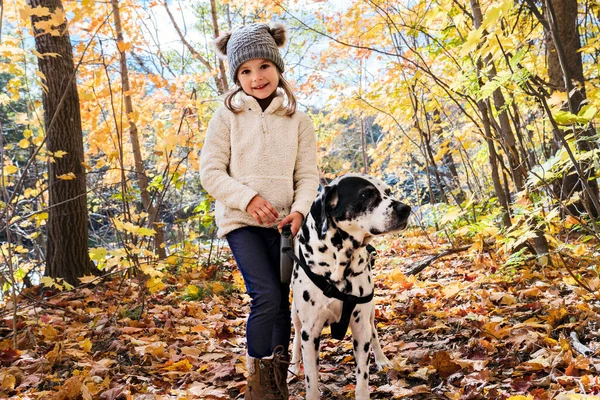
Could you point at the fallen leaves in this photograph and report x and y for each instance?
(454, 332)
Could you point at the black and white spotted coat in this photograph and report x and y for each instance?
(333, 240)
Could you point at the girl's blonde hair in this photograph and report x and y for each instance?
(289, 106)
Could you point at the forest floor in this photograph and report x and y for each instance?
(466, 327)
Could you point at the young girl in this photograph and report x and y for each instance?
(259, 161)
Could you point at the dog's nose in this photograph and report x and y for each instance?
(402, 210)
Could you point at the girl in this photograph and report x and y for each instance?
(259, 162)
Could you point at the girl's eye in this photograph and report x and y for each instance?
(265, 66)
(244, 71)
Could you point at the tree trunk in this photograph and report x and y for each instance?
(565, 73)
(224, 86)
(67, 227)
(540, 243)
(142, 179)
(565, 12)
(447, 158)
(363, 143)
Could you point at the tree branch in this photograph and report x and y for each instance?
(425, 263)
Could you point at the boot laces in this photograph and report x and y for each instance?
(271, 381)
(280, 369)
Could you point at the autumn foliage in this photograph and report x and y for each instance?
(476, 113)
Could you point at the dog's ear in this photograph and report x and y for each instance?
(329, 200)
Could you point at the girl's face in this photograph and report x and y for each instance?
(258, 77)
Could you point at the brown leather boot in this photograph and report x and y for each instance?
(261, 380)
(281, 362)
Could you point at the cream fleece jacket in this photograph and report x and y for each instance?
(255, 152)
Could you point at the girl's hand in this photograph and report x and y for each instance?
(295, 219)
(262, 211)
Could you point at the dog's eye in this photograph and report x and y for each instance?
(368, 193)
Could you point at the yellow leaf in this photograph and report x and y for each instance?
(98, 253)
(183, 365)
(37, 140)
(471, 43)
(40, 74)
(49, 282)
(49, 333)
(39, 11)
(67, 177)
(172, 260)
(520, 397)
(452, 289)
(573, 396)
(491, 16)
(40, 219)
(154, 284)
(569, 280)
(86, 345)
(87, 278)
(10, 169)
(8, 382)
(217, 288)
(146, 232)
(452, 215)
(59, 154)
(192, 290)
(123, 46)
(27, 133)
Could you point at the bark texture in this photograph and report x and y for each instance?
(67, 227)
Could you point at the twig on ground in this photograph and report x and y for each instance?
(578, 346)
(425, 263)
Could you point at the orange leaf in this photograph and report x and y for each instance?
(443, 364)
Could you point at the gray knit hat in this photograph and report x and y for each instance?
(250, 42)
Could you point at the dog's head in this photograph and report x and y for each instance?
(359, 205)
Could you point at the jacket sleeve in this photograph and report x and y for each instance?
(214, 166)
(306, 174)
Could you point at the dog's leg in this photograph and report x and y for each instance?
(296, 349)
(361, 337)
(380, 359)
(310, 335)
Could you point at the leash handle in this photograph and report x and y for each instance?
(286, 263)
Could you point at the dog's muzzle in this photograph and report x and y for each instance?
(402, 213)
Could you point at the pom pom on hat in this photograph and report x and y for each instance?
(279, 34)
(221, 44)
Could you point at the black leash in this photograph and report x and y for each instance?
(338, 329)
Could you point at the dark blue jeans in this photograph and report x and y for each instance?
(256, 252)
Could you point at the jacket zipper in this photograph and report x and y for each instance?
(264, 122)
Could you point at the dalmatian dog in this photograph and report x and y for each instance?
(333, 244)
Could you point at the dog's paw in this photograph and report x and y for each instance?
(294, 368)
(383, 363)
